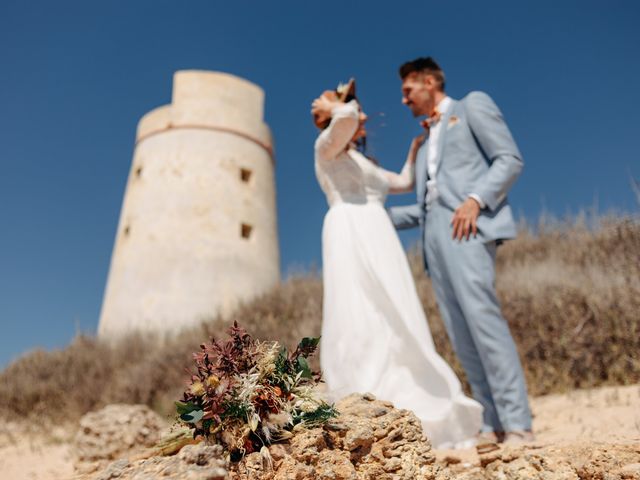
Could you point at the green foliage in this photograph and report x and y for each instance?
(235, 410)
(185, 407)
(194, 416)
(319, 416)
(306, 347)
(189, 412)
(303, 367)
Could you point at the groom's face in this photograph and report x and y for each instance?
(417, 93)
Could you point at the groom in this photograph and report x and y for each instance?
(463, 173)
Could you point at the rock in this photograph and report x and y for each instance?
(630, 471)
(194, 462)
(590, 461)
(115, 431)
(370, 440)
(114, 470)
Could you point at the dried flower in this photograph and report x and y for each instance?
(197, 388)
(212, 381)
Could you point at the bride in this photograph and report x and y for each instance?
(375, 336)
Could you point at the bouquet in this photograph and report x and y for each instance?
(247, 394)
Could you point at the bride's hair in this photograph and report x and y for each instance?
(361, 146)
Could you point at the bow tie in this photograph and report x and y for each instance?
(432, 120)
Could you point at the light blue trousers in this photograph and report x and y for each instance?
(463, 277)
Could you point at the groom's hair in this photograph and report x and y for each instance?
(425, 66)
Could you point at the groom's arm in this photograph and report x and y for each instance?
(494, 137)
(406, 216)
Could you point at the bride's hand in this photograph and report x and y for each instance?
(324, 104)
(415, 145)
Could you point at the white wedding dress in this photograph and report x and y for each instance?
(375, 336)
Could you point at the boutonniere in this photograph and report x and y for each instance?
(453, 119)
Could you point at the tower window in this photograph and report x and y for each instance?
(245, 230)
(245, 175)
(138, 172)
(127, 230)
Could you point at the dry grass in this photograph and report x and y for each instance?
(570, 293)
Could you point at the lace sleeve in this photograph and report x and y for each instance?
(335, 138)
(404, 181)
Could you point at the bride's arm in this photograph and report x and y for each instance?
(406, 179)
(344, 123)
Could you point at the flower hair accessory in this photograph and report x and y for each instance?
(346, 91)
(340, 89)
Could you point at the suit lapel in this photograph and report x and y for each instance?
(443, 133)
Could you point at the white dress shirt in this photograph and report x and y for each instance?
(433, 159)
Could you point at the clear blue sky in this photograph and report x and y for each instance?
(76, 76)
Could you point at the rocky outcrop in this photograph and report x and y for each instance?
(193, 462)
(114, 432)
(369, 440)
(372, 440)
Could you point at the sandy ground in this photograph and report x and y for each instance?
(31, 457)
(604, 415)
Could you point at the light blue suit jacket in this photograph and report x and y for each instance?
(477, 154)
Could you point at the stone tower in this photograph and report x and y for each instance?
(197, 230)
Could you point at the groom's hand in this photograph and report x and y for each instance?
(465, 218)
